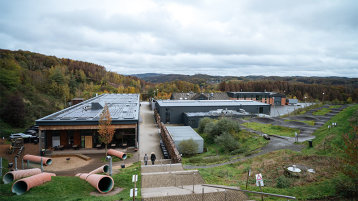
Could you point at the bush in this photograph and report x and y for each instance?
(227, 142)
(283, 182)
(223, 125)
(346, 186)
(202, 124)
(188, 147)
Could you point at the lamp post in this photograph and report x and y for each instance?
(322, 97)
(305, 100)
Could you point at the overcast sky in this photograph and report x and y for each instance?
(238, 37)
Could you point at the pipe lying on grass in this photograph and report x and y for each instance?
(119, 154)
(37, 159)
(102, 169)
(18, 174)
(102, 183)
(23, 185)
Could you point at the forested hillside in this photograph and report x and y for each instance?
(33, 85)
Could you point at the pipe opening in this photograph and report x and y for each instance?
(124, 156)
(105, 168)
(8, 178)
(105, 184)
(19, 187)
(49, 162)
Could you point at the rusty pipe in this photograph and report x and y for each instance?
(103, 168)
(18, 174)
(102, 183)
(119, 154)
(23, 185)
(37, 159)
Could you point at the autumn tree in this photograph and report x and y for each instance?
(106, 130)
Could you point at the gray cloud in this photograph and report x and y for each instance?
(248, 37)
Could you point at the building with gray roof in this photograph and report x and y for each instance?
(172, 111)
(78, 125)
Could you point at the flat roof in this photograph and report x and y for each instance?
(122, 107)
(196, 103)
(179, 133)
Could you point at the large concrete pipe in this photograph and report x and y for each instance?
(23, 185)
(18, 174)
(119, 154)
(37, 159)
(102, 183)
(103, 168)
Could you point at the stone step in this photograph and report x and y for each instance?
(175, 178)
(161, 168)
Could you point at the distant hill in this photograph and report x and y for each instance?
(209, 79)
(146, 75)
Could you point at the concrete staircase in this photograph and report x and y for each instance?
(171, 182)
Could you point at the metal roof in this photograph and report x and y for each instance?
(122, 107)
(196, 96)
(196, 103)
(180, 133)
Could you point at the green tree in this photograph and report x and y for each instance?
(227, 142)
(10, 73)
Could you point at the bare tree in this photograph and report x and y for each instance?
(106, 129)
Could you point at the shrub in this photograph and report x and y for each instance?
(203, 122)
(223, 125)
(283, 182)
(227, 142)
(188, 147)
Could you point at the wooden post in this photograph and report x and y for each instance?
(0, 166)
(193, 182)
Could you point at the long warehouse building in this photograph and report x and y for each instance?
(172, 111)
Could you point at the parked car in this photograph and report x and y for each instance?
(31, 132)
(26, 137)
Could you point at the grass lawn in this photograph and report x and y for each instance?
(301, 111)
(272, 129)
(311, 123)
(74, 188)
(322, 111)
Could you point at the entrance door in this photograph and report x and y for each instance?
(88, 142)
(55, 141)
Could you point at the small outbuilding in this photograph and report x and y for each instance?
(181, 133)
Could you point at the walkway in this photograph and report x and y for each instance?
(148, 133)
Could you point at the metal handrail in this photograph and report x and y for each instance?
(255, 192)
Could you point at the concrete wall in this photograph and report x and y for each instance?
(229, 195)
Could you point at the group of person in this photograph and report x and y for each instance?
(152, 158)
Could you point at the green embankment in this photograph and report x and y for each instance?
(272, 129)
(322, 157)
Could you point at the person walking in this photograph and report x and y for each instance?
(152, 157)
(145, 159)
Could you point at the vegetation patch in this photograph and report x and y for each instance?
(272, 129)
(74, 188)
(322, 112)
(230, 142)
(301, 111)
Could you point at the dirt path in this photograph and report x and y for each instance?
(148, 133)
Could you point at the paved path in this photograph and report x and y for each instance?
(148, 133)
